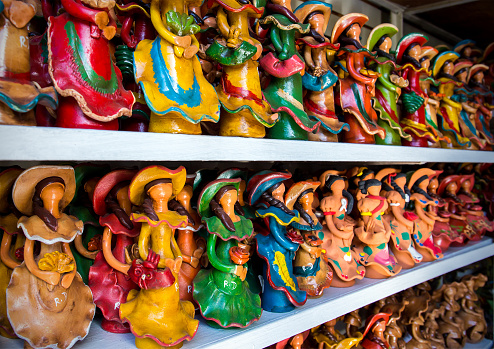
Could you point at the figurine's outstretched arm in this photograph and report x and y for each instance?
(278, 232)
(5, 252)
(238, 270)
(143, 242)
(276, 39)
(50, 277)
(79, 246)
(109, 257)
(385, 82)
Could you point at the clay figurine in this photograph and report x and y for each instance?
(481, 99)
(471, 312)
(394, 332)
(466, 50)
(374, 332)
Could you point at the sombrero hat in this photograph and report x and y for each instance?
(462, 44)
(256, 8)
(447, 180)
(418, 174)
(105, 185)
(406, 41)
(475, 69)
(378, 32)
(325, 175)
(460, 65)
(306, 8)
(24, 186)
(233, 173)
(7, 179)
(151, 173)
(296, 189)
(346, 21)
(436, 173)
(261, 182)
(210, 191)
(441, 58)
(429, 52)
(386, 171)
(470, 177)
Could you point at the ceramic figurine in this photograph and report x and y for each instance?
(82, 69)
(355, 175)
(47, 284)
(223, 295)
(481, 99)
(169, 72)
(338, 231)
(465, 49)
(374, 332)
(245, 112)
(400, 221)
(373, 233)
(109, 283)
(357, 83)
(419, 299)
(319, 78)
(329, 338)
(388, 84)
(471, 312)
(19, 94)
(353, 322)
(285, 67)
(310, 265)
(394, 332)
(281, 292)
(431, 327)
(245, 210)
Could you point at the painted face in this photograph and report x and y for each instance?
(338, 185)
(229, 199)
(433, 185)
(426, 63)
(161, 192)
(452, 188)
(354, 32)
(415, 52)
(306, 201)
(448, 68)
(463, 76)
(279, 192)
(479, 77)
(316, 21)
(386, 45)
(52, 193)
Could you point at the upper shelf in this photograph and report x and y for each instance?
(24, 143)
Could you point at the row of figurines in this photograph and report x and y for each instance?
(134, 244)
(177, 67)
(421, 317)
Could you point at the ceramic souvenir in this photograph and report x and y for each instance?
(285, 67)
(471, 312)
(394, 332)
(388, 84)
(81, 67)
(319, 78)
(169, 72)
(281, 292)
(466, 50)
(107, 278)
(223, 295)
(373, 232)
(357, 83)
(431, 327)
(47, 284)
(329, 338)
(245, 112)
(355, 175)
(310, 264)
(19, 95)
(419, 299)
(338, 231)
(353, 322)
(373, 337)
(482, 99)
(400, 221)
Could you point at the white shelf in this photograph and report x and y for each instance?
(485, 344)
(335, 302)
(24, 143)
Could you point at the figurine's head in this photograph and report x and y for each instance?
(409, 49)
(337, 184)
(347, 29)
(426, 56)
(159, 190)
(300, 197)
(353, 31)
(433, 185)
(444, 64)
(380, 38)
(385, 44)
(460, 70)
(46, 199)
(369, 187)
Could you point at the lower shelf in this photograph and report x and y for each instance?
(273, 327)
(485, 344)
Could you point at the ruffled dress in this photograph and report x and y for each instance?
(442, 234)
(479, 221)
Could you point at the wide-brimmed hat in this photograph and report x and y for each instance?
(462, 44)
(7, 179)
(429, 52)
(475, 69)
(151, 173)
(346, 21)
(261, 182)
(436, 174)
(418, 174)
(210, 191)
(386, 171)
(296, 189)
(406, 41)
(306, 8)
(487, 55)
(470, 177)
(441, 58)
(459, 65)
(371, 320)
(24, 186)
(106, 184)
(256, 9)
(441, 48)
(446, 181)
(378, 32)
(325, 175)
(233, 173)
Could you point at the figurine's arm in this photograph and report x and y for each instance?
(5, 252)
(50, 277)
(98, 17)
(68, 277)
(278, 232)
(128, 39)
(79, 246)
(350, 65)
(397, 213)
(222, 23)
(385, 81)
(176, 250)
(181, 41)
(308, 57)
(215, 262)
(143, 241)
(276, 39)
(109, 257)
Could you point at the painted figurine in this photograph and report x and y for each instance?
(47, 284)
(81, 67)
(285, 67)
(329, 338)
(338, 231)
(357, 83)
(374, 332)
(388, 84)
(223, 295)
(466, 50)
(483, 100)
(319, 78)
(169, 72)
(277, 248)
(310, 265)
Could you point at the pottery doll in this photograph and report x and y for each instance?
(373, 232)
(169, 72)
(353, 323)
(338, 231)
(81, 67)
(277, 248)
(388, 84)
(483, 99)
(400, 221)
(223, 295)
(431, 327)
(374, 332)
(357, 83)
(19, 94)
(450, 106)
(471, 312)
(245, 112)
(424, 224)
(109, 284)
(466, 49)
(310, 264)
(319, 78)
(394, 332)
(12, 248)
(47, 284)
(419, 299)
(155, 313)
(285, 67)
(241, 208)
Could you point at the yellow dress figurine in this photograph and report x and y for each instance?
(170, 74)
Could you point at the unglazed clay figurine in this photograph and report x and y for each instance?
(481, 99)
(374, 332)
(451, 326)
(281, 292)
(110, 286)
(394, 331)
(223, 295)
(338, 231)
(310, 265)
(353, 322)
(170, 74)
(82, 69)
(245, 112)
(319, 78)
(431, 327)
(18, 94)
(357, 84)
(471, 312)
(47, 284)
(285, 67)
(155, 313)
(388, 84)
(373, 232)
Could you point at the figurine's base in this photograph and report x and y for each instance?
(240, 124)
(148, 343)
(433, 144)
(427, 254)
(323, 136)
(337, 282)
(10, 117)
(403, 257)
(115, 326)
(173, 122)
(70, 115)
(376, 272)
